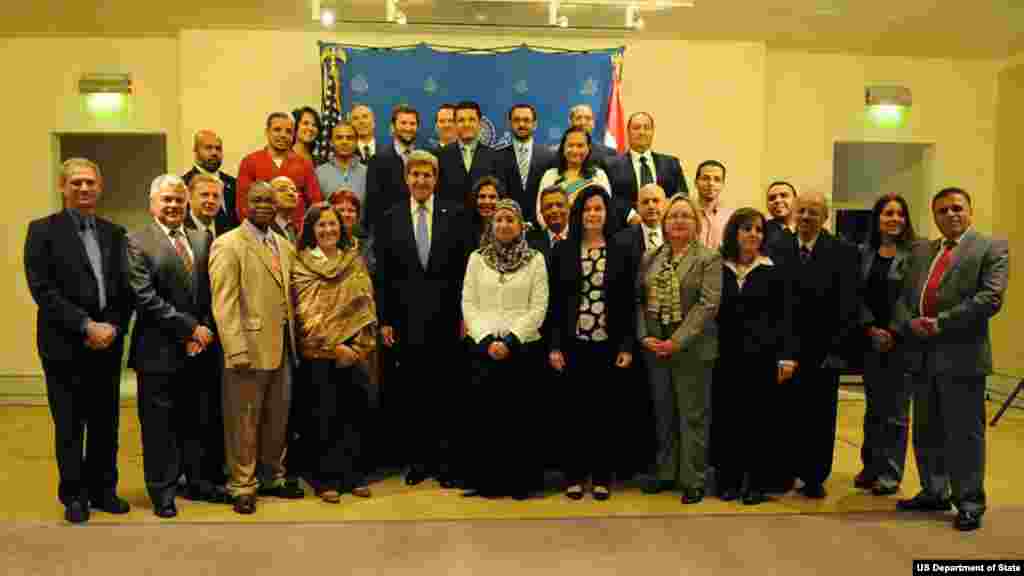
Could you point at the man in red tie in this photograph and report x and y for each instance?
(954, 285)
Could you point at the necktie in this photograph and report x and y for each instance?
(179, 247)
(275, 260)
(524, 164)
(366, 152)
(92, 250)
(805, 254)
(555, 239)
(931, 291)
(422, 238)
(645, 172)
(467, 158)
(652, 239)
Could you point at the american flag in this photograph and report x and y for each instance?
(332, 61)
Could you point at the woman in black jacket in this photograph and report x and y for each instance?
(591, 336)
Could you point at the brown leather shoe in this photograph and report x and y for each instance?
(245, 504)
(362, 491)
(330, 496)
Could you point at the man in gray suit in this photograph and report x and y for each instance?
(169, 279)
(953, 286)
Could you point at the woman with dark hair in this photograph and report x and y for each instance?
(481, 202)
(884, 260)
(307, 128)
(504, 300)
(576, 170)
(591, 337)
(679, 285)
(336, 329)
(349, 208)
(756, 351)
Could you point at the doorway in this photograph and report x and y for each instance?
(129, 163)
(864, 171)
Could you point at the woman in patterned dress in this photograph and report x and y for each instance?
(591, 337)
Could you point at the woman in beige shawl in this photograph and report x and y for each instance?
(337, 332)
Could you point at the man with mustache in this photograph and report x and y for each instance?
(250, 271)
(954, 286)
(73, 265)
(278, 159)
(523, 163)
(169, 279)
(208, 149)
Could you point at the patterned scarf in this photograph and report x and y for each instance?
(663, 301)
(500, 257)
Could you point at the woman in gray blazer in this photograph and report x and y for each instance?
(884, 260)
(679, 287)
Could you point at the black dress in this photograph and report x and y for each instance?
(754, 333)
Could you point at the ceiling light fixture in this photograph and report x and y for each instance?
(633, 19)
(327, 17)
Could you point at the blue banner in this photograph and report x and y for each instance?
(425, 78)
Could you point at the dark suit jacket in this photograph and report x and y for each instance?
(385, 184)
(971, 291)
(825, 298)
(227, 218)
(423, 306)
(668, 173)
(601, 154)
(776, 237)
(169, 302)
(756, 321)
(541, 159)
(455, 183)
(632, 240)
(564, 276)
(62, 283)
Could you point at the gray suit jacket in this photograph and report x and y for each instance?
(970, 292)
(169, 302)
(700, 291)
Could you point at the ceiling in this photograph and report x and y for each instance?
(929, 28)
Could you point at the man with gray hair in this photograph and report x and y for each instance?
(250, 280)
(74, 268)
(168, 274)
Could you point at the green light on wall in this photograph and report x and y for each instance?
(888, 115)
(106, 104)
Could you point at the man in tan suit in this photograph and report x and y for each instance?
(249, 275)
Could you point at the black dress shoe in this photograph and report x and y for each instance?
(415, 476)
(813, 491)
(292, 492)
(654, 486)
(111, 504)
(863, 481)
(692, 495)
(967, 520)
(214, 495)
(884, 488)
(574, 492)
(245, 504)
(924, 503)
(753, 498)
(76, 512)
(450, 483)
(166, 510)
(602, 492)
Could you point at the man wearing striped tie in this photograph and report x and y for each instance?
(522, 164)
(167, 270)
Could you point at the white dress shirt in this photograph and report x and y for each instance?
(635, 158)
(652, 235)
(516, 304)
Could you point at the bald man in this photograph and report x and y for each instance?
(208, 149)
(823, 269)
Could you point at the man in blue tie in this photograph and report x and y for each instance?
(422, 248)
(522, 164)
(74, 267)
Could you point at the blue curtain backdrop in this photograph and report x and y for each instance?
(425, 78)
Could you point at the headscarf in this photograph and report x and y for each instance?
(505, 258)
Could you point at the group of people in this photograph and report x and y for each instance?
(506, 311)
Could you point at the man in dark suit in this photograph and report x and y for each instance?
(74, 265)
(952, 289)
(823, 269)
(523, 163)
(781, 226)
(362, 119)
(554, 206)
(444, 126)
(467, 160)
(422, 249)
(209, 153)
(385, 175)
(646, 235)
(168, 272)
(583, 116)
(641, 166)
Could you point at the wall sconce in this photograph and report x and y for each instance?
(887, 106)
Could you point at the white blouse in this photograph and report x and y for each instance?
(516, 304)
